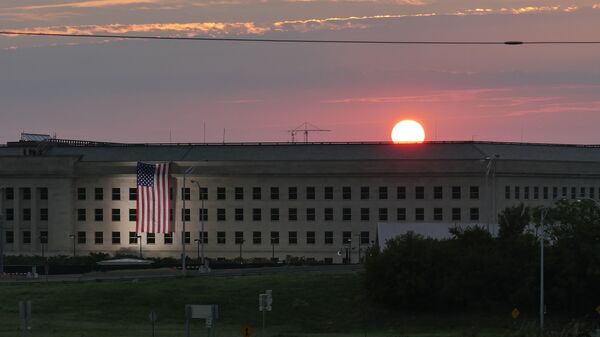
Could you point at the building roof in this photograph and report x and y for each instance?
(95, 151)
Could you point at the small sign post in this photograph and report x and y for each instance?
(265, 302)
(209, 313)
(153, 318)
(25, 317)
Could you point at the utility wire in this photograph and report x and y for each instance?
(224, 39)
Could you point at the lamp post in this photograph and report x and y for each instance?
(241, 243)
(491, 191)
(139, 239)
(43, 240)
(73, 237)
(198, 255)
(542, 216)
(201, 243)
(272, 250)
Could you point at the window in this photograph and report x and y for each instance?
(98, 238)
(292, 214)
(150, 238)
(239, 193)
(438, 192)
(185, 193)
(10, 237)
(346, 237)
(438, 214)
(310, 193)
(185, 214)
(419, 192)
(364, 238)
(274, 238)
(456, 193)
(456, 214)
(203, 193)
(43, 214)
(44, 237)
(221, 238)
(401, 214)
(239, 238)
(507, 192)
(26, 214)
(545, 192)
(133, 238)
(582, 192)
(203, 214)
(383, 214)
(292, 238)
(116, 214)
(221, 214)
(239, 214)
(592, 194)
(221, 194)
(256, 238)
(401, 192)
(310, 238)
(554, 192)
(536, 192)
(43, 191)
(383, 192)
(517, 192)
(347, 214)
(203, 237)
(526, 192)
(274, 214)
(132, 193)
(81, 214)
(256, 193)
(116, 193)
(346, 192)
(256, 214)
(328, 193)
(364, 214)
(168, 239)
(292, 193)
(26, 191)
(419, 214)
(328, 238)
(573, 193)
(310, 214)
(132, 214)
(474, 192)
(81, 238)
(274, 193)
(10, 214)
(98, 214)
(116, 238)
(98, 193)
(364, 192)
(474, 214)
(27, 237)
(187, 238)
(9, 193)
(564, 192)
(328, 214)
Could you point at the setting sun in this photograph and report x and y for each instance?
(408, 131)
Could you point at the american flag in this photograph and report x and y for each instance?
(153, 204)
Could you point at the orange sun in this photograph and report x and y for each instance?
(408, 131)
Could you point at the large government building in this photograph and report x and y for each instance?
(263, 200)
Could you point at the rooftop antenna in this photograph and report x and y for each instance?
(305, 128)
(223, 135)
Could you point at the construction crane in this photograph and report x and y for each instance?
(305, 128)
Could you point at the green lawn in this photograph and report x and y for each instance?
(303, 305)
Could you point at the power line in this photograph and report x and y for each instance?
(224, 39)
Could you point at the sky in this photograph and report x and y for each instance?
(171, 91)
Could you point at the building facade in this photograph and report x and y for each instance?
(273, 200)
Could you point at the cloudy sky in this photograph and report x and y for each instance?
(154, 91)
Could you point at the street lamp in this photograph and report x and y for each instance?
(139, 239)
(198, 255)
(491, 191)
(241, 243)
(73, 237)
(201, 243)
(272, 249)
(43, 241)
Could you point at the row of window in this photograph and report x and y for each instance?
(9, 214)
(9, 193)
(536, 192)
(292, 193)
(310, 238)
(292, 214)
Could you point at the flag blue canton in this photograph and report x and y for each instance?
(145, 174)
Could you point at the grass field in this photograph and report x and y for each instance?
(303, 305)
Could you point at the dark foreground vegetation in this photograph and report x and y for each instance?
(476, 272)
